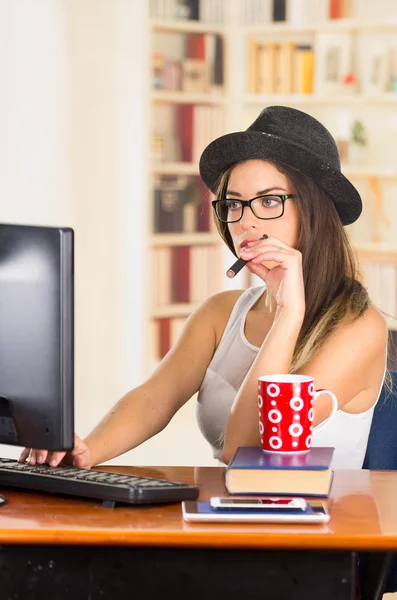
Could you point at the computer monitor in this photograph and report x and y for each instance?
(36, 336)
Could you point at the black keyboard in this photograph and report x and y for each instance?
(109, 487)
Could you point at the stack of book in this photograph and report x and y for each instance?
(253, 471)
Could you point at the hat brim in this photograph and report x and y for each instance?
(232, 148)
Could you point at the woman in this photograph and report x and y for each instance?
(281, 177)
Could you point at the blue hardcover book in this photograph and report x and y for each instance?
(253, 471)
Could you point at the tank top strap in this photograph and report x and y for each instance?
(241, 308)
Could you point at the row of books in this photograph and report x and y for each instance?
(181, 132)
(327, 66)
(181, 205)
(209, 11)
(280, 68)
(196, 67)
(295, 12)
(184, 274)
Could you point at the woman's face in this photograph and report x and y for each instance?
(256, 178)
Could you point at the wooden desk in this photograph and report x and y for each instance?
(58, 548)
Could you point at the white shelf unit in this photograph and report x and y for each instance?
(332, 26)
(175, 168)
(382, 100)
(240, 108)
(182, 26)
(177, 97)
(377, 178)
(219, 98)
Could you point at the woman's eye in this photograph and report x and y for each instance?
(232, 204)
(270, 201)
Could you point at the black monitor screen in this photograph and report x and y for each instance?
(36, 337)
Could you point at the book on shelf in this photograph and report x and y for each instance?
(165, 332)
(279, 10)
(196, 68)
(181, 205)
(184, 274)
(210, 11)
(182, 131)
(168, 211)
(293, 12)
(284, 67)
(180, 269)
(253, 471)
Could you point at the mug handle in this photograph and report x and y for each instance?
(334, 408)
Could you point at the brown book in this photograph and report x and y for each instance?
(184, 131)
(253, 471)
(164, 336)
(180, 268)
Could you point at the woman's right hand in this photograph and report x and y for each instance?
(79, 456)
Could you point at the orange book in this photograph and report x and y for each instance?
(335, 9)
(268, 68)
(195, 46)
(285, 68)
(253, 66)
(303, 69)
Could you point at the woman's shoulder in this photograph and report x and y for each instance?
(224, 302)
(219, 307)
(372, 322)
(365, 337)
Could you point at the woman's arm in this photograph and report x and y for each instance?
(147, 409)
(285, 285)
(351, 362)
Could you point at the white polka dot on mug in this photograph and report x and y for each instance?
(287, 412)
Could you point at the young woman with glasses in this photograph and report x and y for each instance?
(280, 178)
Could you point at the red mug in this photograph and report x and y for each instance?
(286, 412)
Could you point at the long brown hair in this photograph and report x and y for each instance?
(333, 292)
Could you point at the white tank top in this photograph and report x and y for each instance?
(347, 433)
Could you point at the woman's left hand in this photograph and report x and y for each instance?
(285, 279)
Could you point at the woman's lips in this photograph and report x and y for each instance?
(247, 241)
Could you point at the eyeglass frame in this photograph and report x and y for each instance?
(245, 203)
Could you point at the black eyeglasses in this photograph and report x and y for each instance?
(230, 210)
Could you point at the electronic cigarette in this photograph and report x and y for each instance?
(240, 263)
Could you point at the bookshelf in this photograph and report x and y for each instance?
(189, 107)
(339, 104)
(361, 46)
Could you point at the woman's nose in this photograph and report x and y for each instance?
(248, 220)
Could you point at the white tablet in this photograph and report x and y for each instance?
(202, 512)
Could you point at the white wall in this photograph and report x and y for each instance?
(34, 116)
(74, 83)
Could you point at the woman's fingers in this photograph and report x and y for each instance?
(55, 458)
(280, 256)
(79, 456)
(39, 457)
(24, 455)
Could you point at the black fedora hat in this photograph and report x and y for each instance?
(291, 137)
